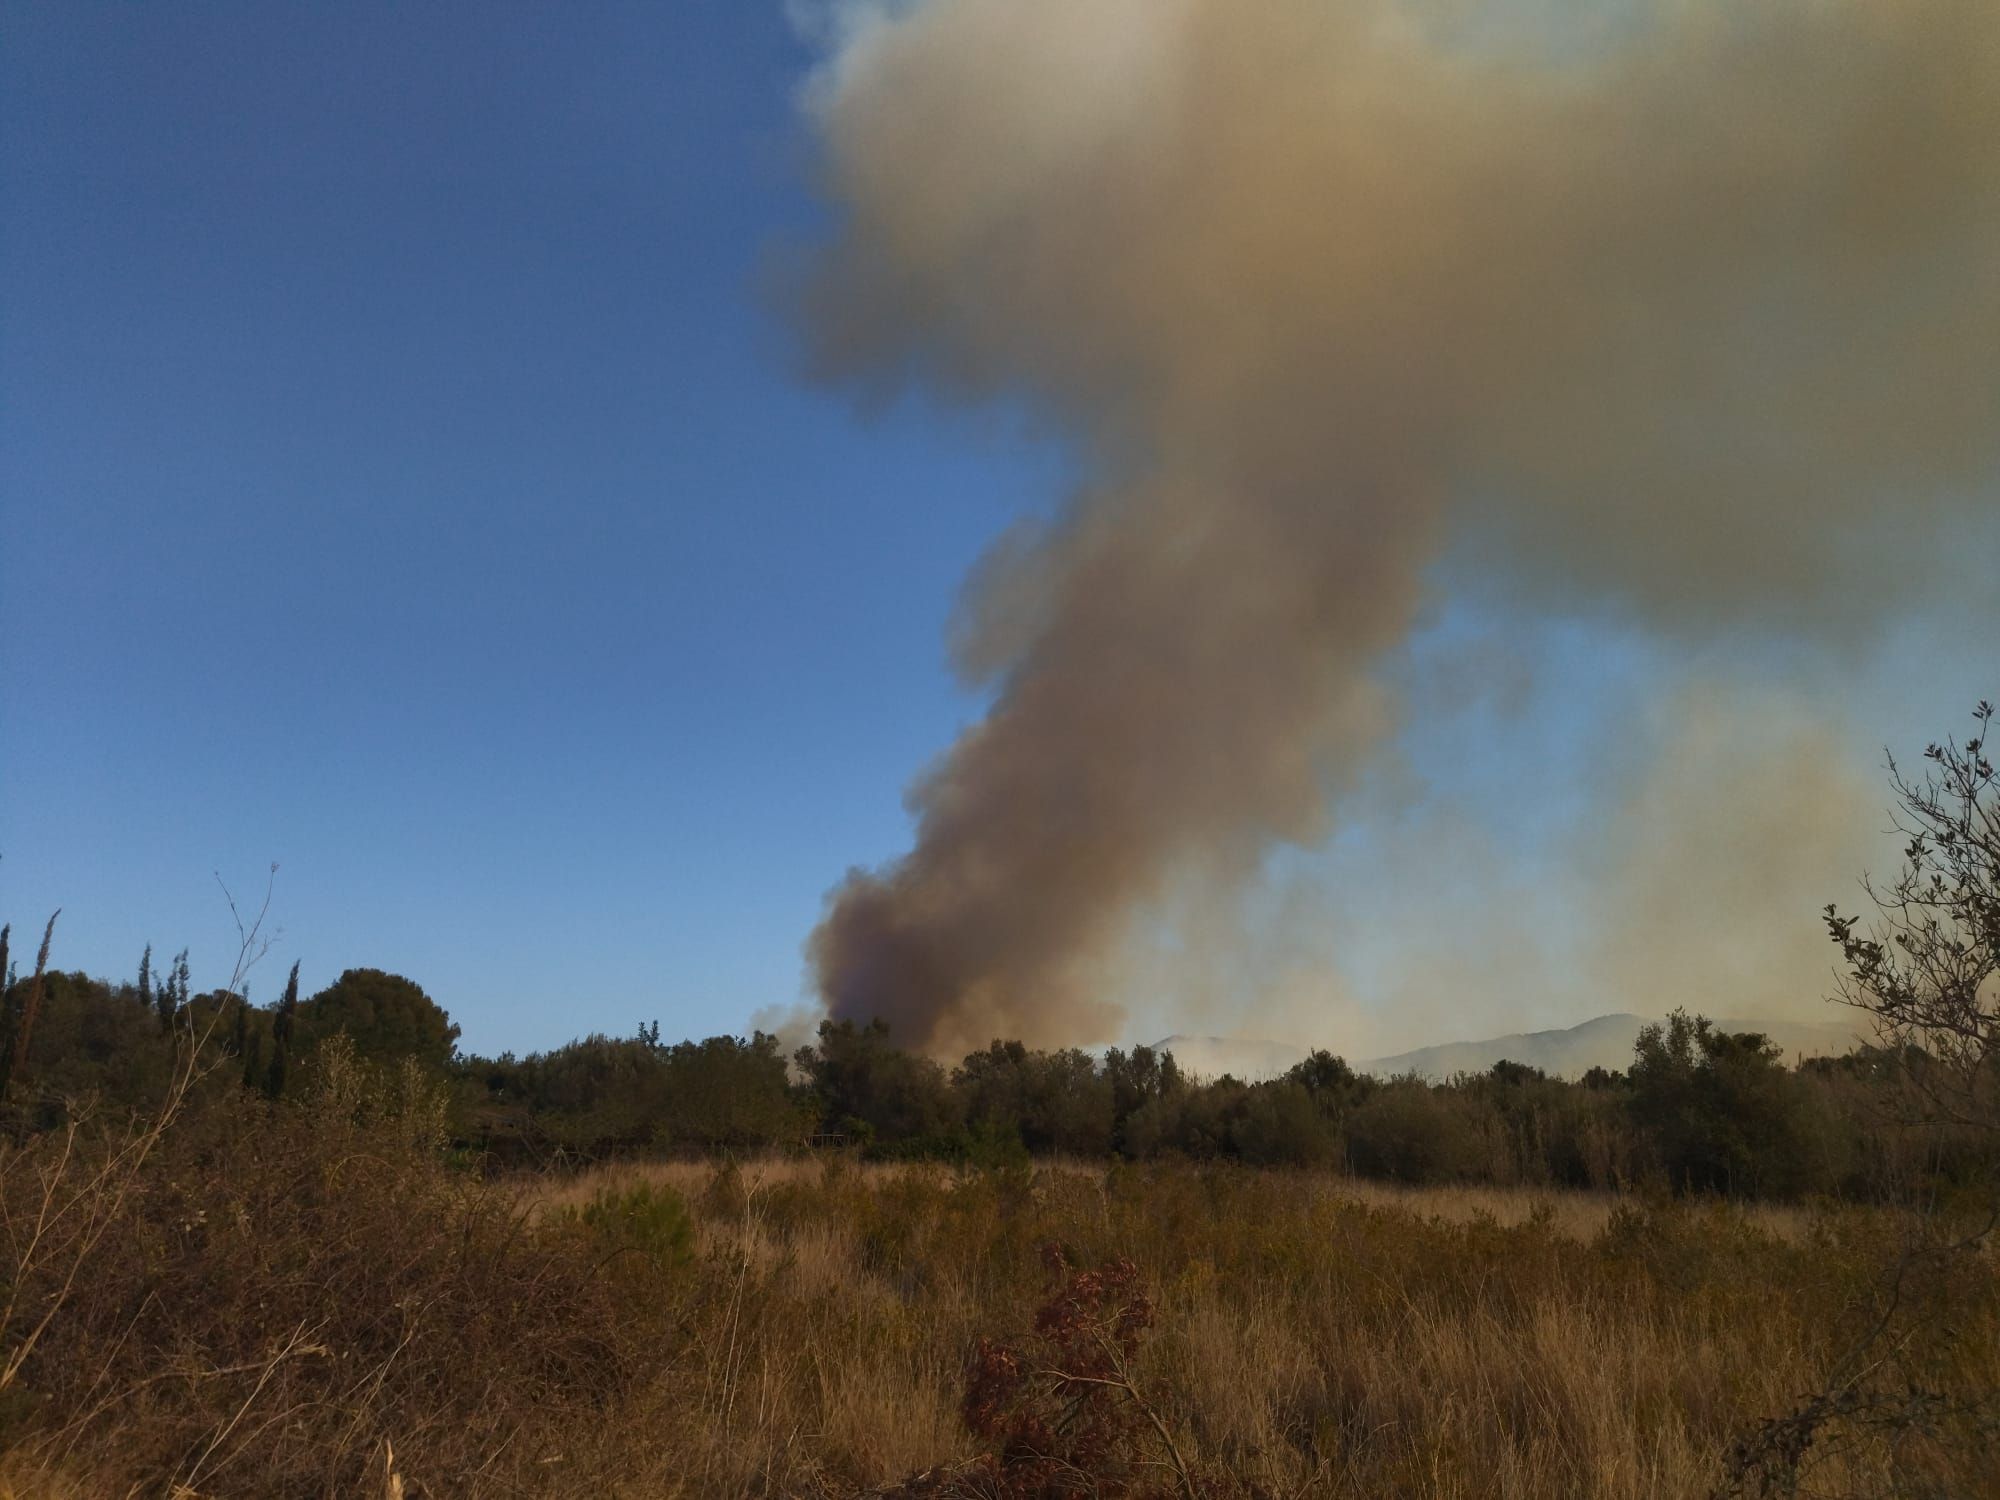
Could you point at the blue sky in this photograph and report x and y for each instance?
(408, 480)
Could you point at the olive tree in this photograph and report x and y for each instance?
(1928, 972)
(1928, 969)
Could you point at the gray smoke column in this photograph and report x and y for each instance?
(1700, 320)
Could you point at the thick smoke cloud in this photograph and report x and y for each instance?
(1708, 823)
(1702, 322)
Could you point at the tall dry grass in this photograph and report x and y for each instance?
(1318, 1335)
(298, 1286)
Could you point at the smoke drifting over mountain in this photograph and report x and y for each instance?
(1701, 322)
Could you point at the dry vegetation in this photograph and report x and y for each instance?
(280, 1292)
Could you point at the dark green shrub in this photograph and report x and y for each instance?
(648, 1219)
(1409, 1132)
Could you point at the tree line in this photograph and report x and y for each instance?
(1698, 1109)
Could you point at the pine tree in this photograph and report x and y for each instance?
(239, 1039)
(146, 977)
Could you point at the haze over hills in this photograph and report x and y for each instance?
(1605, 1041)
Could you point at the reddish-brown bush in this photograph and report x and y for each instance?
(1060, 1412)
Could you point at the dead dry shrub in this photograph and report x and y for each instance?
(1061, 1411)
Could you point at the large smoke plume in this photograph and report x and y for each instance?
(1698, 317)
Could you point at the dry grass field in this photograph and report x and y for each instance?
(1316, 1334)
(277, 1297)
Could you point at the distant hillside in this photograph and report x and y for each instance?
(1568, 1052)
(1212, 1056)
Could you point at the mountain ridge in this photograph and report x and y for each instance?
(1604, 1041)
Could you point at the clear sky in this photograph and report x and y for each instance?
(406, 479)
(405, 482)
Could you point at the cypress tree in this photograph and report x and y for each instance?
(10, 1019)
(163, 999)
(172, 996)
(253, 1061)
(281, 1037)
(146, 977)
(17, 1015)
